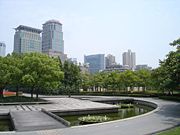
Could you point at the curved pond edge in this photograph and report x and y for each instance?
(141, 102)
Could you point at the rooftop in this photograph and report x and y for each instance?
(27, 28)
(53, 21)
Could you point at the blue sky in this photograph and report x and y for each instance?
(100, 26)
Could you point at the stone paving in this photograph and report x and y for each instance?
(34, 120)
(165, 116)
(19, 108)
(70, 104)
(59, 104)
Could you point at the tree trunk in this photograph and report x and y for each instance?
(169, 92)
(138, 88)
(172, 92)
(17, 91)
(1, 92)
(37, 93)
(69, 93)
(32, 90)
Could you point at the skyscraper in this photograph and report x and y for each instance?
(52, 39)
(95, 62)
(110, 60)
(129, 59)
(27, 39)
(2, 49)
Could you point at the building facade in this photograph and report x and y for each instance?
(52, 37)
(110, 60)
(129, 59)
(118, 68)
(2, 49)
(27, 39)
(95, 62)
(145, 66)
(52, 40)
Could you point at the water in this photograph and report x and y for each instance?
(121, 114)
(5, 125)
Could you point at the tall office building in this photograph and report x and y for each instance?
(129, 59)
(110, 60)
(52, 39)
(2, 49)
(95, 62)
(27, 39)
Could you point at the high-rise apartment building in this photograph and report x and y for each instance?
(95, 62)
(129, 59)
(110, 60)
(52, 39)
(2, 49)
(27, 39)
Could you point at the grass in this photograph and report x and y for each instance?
(174, 131)
(18, 99)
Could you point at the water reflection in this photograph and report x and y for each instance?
(121, 114)
(5, 125)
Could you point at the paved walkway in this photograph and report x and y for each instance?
(165, 116)
(71, 104)
(34, 120)
(19, 108)
(59, 104)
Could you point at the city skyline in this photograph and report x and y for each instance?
(90, 27)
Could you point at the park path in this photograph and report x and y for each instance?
(165, 116)
(34, 120)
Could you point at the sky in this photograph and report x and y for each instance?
(100, 26)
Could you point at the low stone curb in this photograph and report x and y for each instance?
(66, 123)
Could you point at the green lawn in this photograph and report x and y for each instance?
(174, 131)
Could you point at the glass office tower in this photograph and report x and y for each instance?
(95, 62)
(27, 39)
(52, 37)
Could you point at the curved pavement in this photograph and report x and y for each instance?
(167, 115)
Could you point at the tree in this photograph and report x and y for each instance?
(112, 80)
(168, 74)
(130, 79)
(16, 70)
(144, 77)
(85, 81)
(41, 72)
(72, 79)
(5, 76)
(120, 81)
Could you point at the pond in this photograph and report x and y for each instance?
(5, 125)
(121, 114)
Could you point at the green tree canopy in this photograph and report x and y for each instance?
(41, 72)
